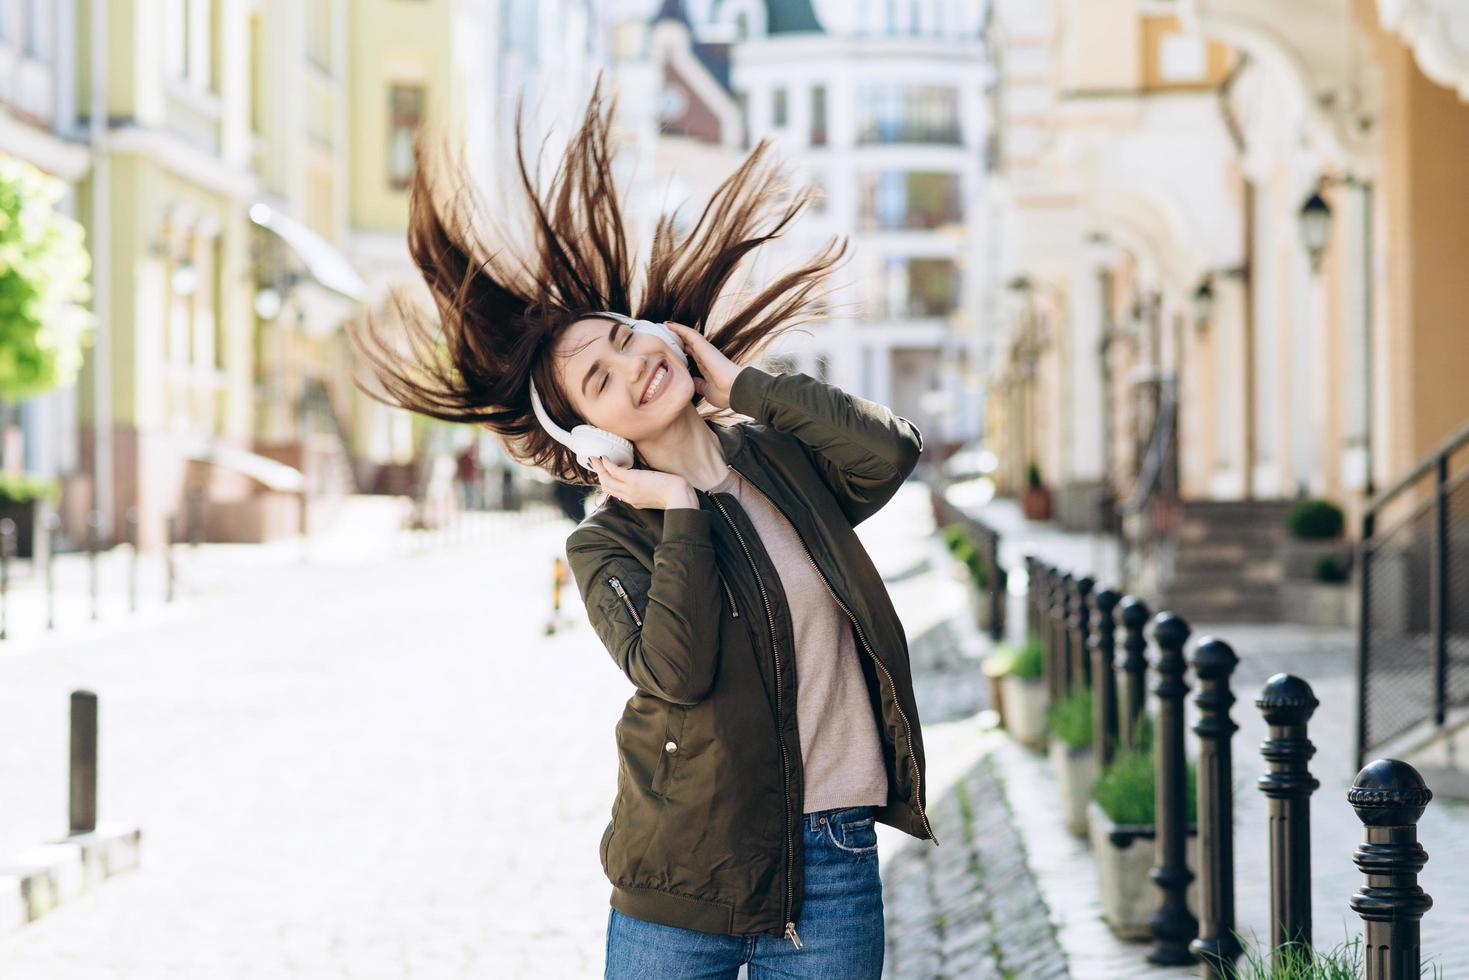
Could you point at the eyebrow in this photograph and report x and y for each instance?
(595, 364)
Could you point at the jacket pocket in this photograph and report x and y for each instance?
(671, 752)
(734, 611)
(616, 584)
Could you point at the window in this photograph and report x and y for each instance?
(896, 199)
(405, 112)
(916, 287)
(778, 111)
(933, 287)
(818, 115)
(907, 114)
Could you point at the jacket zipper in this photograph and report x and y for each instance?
(617, 584)
(790, 930)
(907, 728)
(733, 612)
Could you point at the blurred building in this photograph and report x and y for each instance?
(1230, 235)
(883, 110)
(241, 166)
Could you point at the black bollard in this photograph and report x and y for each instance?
(1134, 663)
(1287, 703)
(1172, 926)
(82, 776)
(996, 581)
(130, 522)
(1217, 946)
(1080, 624)
(1060, 628)
(7, 548)
(1032, 595)
(1046, 575)
(1052, 577)
(1389, 797)
(53, 525)
(1104, 675)
(94, 541)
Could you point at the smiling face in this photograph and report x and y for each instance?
(618, 379)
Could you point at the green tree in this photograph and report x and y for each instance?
(44, 264)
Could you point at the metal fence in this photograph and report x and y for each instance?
(1413, 634)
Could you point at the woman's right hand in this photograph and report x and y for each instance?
(646, 489)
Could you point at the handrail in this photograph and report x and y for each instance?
(1447, 447)
(1439, 561)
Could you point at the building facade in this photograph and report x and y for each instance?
(882, 108)
(1227, 232)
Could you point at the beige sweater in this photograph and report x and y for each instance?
(840, 745)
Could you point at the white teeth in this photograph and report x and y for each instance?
(657, 383)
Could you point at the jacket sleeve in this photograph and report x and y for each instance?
(674, 652)
(863, 450)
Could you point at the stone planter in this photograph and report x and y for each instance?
(1124, 855)
(1025, 710)
(1299, 556)
(997, 691)
(1320, 603)
(1076, 771)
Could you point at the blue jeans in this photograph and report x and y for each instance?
(841, 922)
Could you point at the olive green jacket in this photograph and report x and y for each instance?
(706, 825)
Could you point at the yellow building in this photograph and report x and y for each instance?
(248, 186)
(1235, 231)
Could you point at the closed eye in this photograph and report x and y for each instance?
(626, 339)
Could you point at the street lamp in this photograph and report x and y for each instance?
(1204, 303)
(184, 279)
(1315, 219)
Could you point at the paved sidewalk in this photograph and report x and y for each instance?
(1325, 658)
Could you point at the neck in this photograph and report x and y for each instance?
(688, 448)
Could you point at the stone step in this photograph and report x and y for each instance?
(1245, 576)
(1276, 508)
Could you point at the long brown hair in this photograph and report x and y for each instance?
(499, 313)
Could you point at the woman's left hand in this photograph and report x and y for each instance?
(718, 371)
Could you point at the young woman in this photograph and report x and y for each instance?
(772, 721)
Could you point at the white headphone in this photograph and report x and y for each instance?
(586, 440)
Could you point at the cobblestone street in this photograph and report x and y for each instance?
(376, 768)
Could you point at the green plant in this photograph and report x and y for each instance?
(1299, 961)
(1329, 568)
(1125, 789)
(1030, 660)
(25, 488)
(961, 546)
(1033, 476)
(1315, 519)
(1070, 718)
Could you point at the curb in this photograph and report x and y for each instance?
(40, 878)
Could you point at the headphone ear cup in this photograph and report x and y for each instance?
(589, 441)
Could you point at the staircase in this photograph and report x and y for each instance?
(1226, 563)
